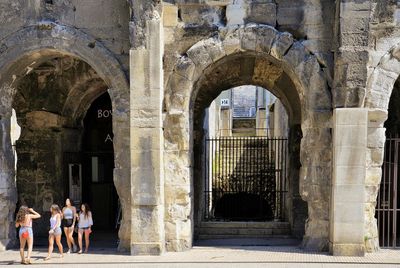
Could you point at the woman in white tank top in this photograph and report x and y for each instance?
(55, 231)
(85, 226)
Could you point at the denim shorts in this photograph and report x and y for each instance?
(57, 231)
(23, 229)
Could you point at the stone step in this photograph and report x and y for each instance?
(236, 236)
(208, 230)
(245, 224)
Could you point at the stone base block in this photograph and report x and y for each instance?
(347, 249)
(315, 244)
(178, 245)
(147, 248)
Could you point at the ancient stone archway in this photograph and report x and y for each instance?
(380, 85)
(25, 49)
(190, 80)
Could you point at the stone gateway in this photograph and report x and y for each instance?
(106, 102)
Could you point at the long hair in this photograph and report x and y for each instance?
(22, 212)
(55, 208)
(87, 209)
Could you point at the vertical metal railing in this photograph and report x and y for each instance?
(388, 203)
(245, 178)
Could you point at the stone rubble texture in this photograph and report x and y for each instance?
(163, 62)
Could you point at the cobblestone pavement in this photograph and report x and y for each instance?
(210, 257)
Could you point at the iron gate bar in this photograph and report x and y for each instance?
(387, 211)
(245, 178)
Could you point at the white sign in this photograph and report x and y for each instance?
(75, 182)
(225, 102)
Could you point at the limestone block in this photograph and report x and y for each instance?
(265, 39)
(373, 176)
(296, 55)
(231, 41)
(350, 156)
(358, 116)
(170, 15)
(146, 139)
(235, 14)
(348, 212)
(376, 137)
(349, 175)
(214, 48)
(282, 43)
(145, 118)
(185, 68)
(375, 157)
(43, 119)
(199, 55)
(350, 136)
(377, 117)
(263, 13)
(348, 250)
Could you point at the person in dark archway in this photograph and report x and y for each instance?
(23, 220)
(68, 222)
(55, 231)
(85, 226)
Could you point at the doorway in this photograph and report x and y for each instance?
(90, 171)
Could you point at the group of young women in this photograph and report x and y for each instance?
(65, 218)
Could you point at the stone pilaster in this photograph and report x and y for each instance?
(147, 176)
(348, 183)
(225, 122)
(8, 190)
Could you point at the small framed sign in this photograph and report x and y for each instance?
(225, 103)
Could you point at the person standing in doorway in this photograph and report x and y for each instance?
(68, 222)
(23, 220)
(85, 226)
(55, 231)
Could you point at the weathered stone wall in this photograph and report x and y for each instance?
(221, 62)
(28, 48)
(106, 21)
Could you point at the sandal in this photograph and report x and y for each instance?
(47, 258)
(80, 252)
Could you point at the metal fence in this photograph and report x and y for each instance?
(245, 178)
(388, 205)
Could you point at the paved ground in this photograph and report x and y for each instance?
(210, 257)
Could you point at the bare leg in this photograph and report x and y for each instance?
(80, 233)
(51, 246)
(66, 232)
(71, 237)
(22, 243)
(30, 247)
(60, 247)
(87, 240)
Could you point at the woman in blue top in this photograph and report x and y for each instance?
(68, 222)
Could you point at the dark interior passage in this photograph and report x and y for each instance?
(98, 163)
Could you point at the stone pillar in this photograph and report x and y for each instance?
(374, 160)
(8, 193)
(147, 177)
(261, 122)
(348, 182)
(225, 122)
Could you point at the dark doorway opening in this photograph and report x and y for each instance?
(98, 164)
(89, 173)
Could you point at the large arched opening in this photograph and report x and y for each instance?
(252, 55)
(54, 81)
(239, 70)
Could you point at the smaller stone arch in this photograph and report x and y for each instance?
(380, 85)
(23, 50)
(288, 56)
